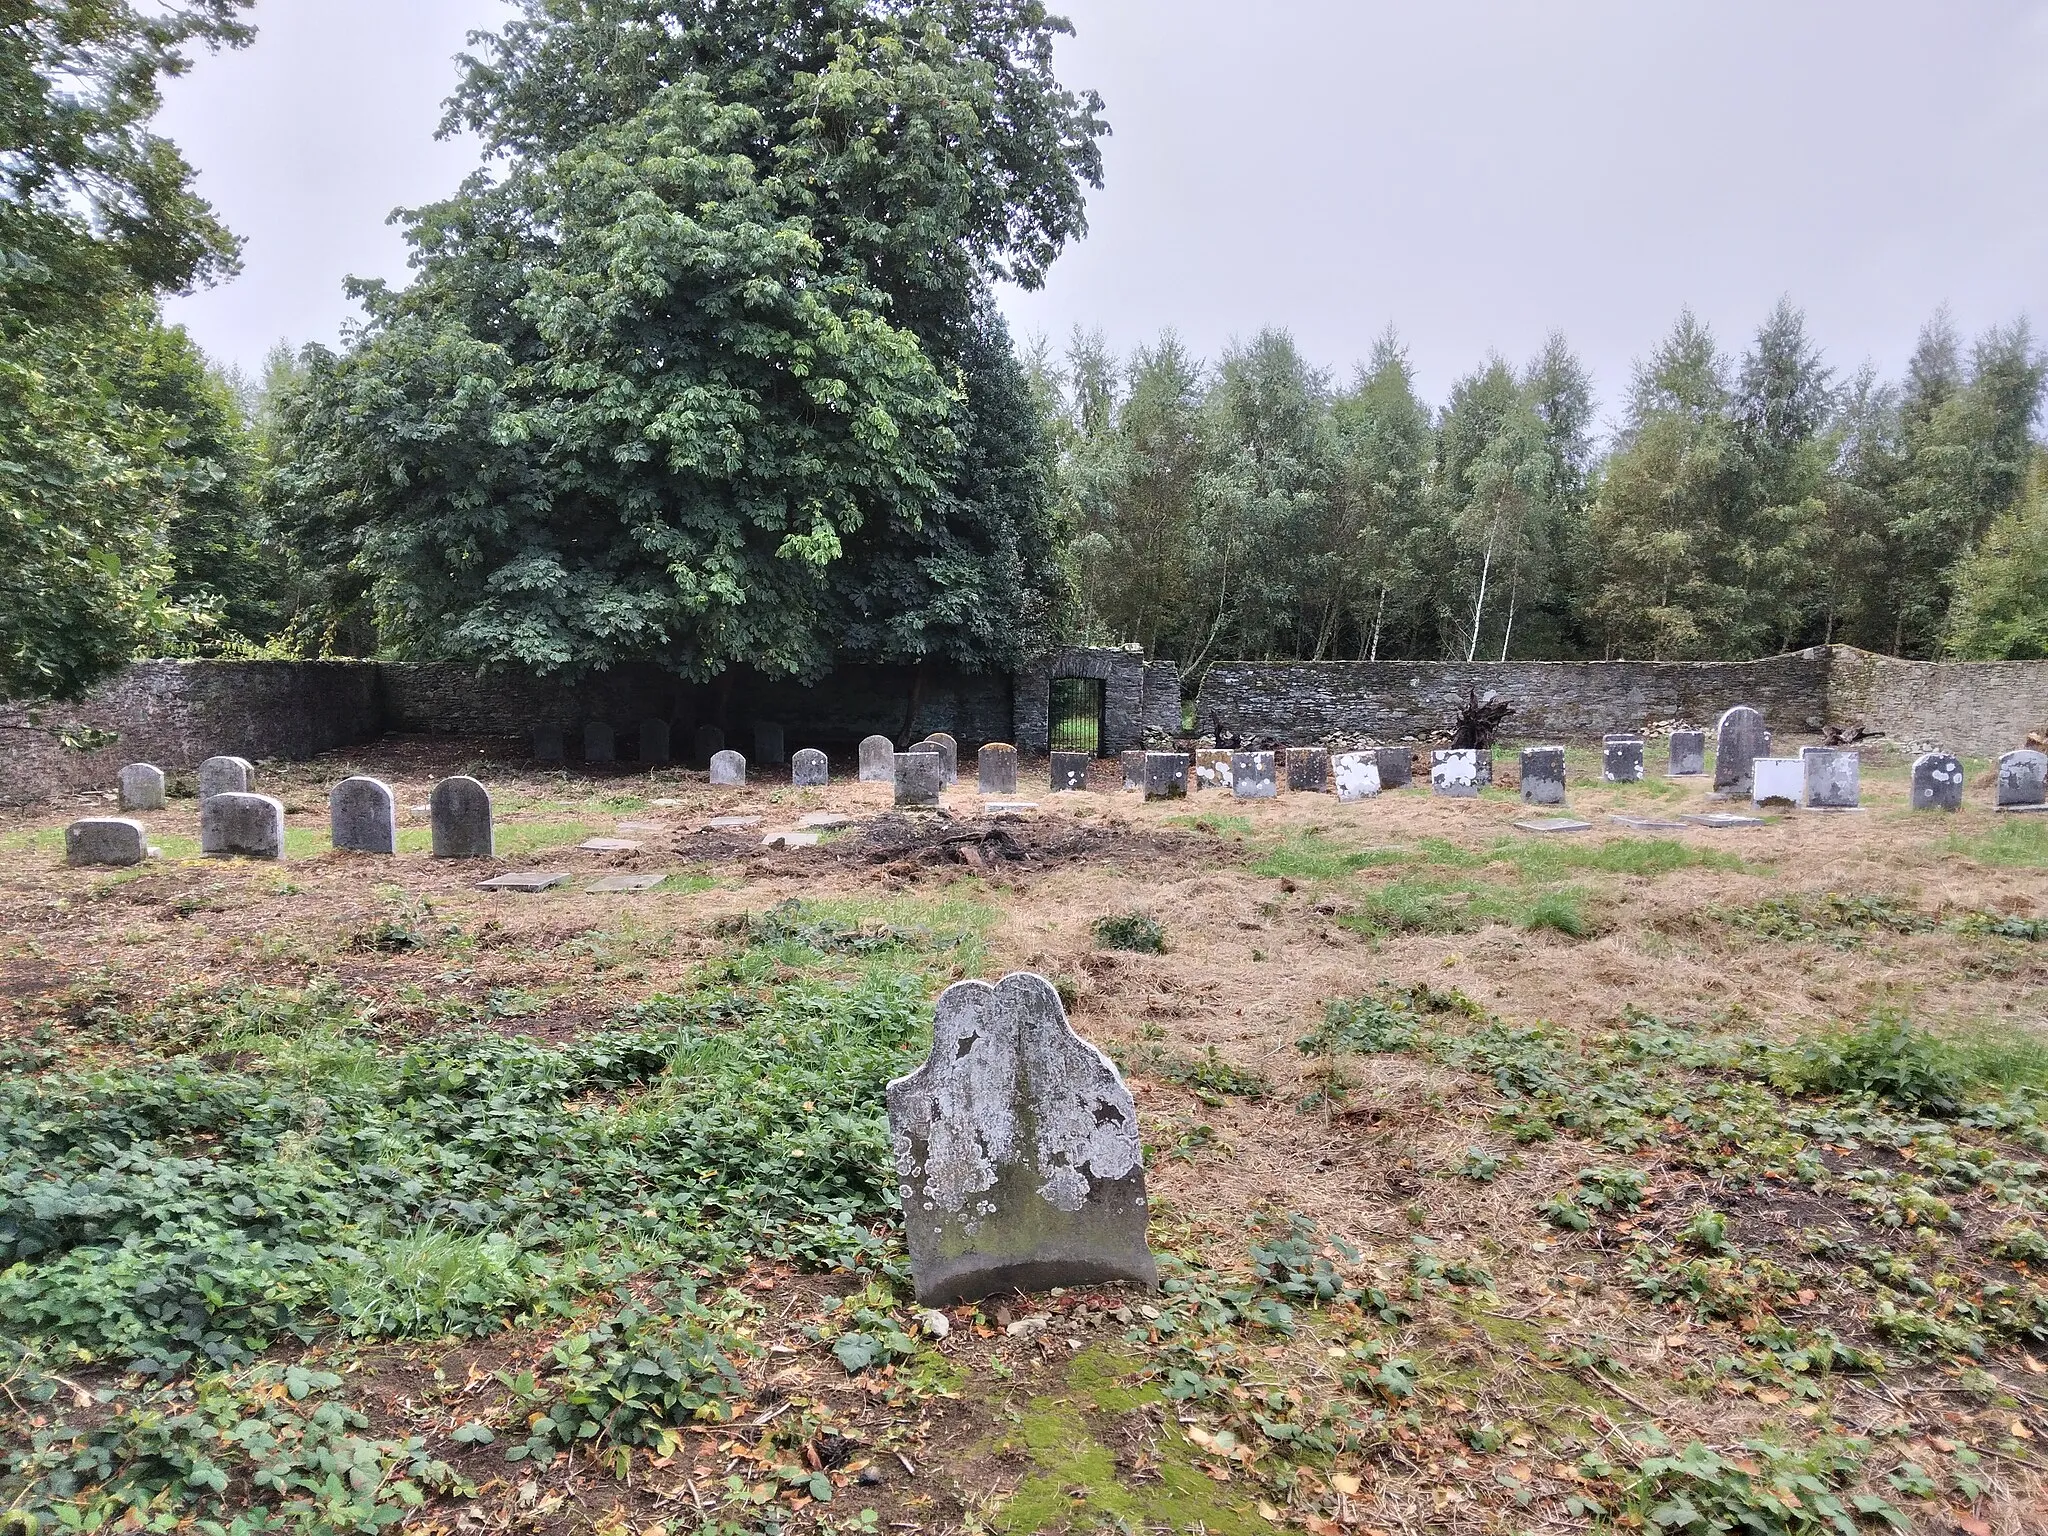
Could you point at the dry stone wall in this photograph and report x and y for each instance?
(1977, 708)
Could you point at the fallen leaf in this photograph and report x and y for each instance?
(1268, 1512)
(1346, 1484)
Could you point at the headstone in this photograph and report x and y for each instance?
(617, 885)
(1688, 753)
(1017, 1152)
(1166, 776)
(1134, 769)
(1455, 773)
(362, 816)
(792, 839)
(653, 743)
(1308, 770)
(1834, 779)
(459, 810)
(2022, 780)
(245, 826)
(526, 880)
(1011, 807)
(1777, 781)
(106, 840)
(996, 769)
(1357, 775)
(1543, 776)
(1622, 760)
(600, 743)
(1212, 770)
(1069, 772)
(1738, 743)
(1254, 776)
(548, 747)
(1937, 783)
(877, 760)
(920, 777)
(1649, 824)
(731, 823)
(610, 845)
(1397, 767)
(225, 776)
(769, 750)
(810, 769)
(708, 743)
(949, 749)
(1721, 821)
(1550, 824)
(142, 787)
(728, 770)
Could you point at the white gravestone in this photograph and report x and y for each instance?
(1357, 775)
(1777, 781)
(877, 760)
(225, 776)
(728, 770)
(1455, 773)
(1254, 775)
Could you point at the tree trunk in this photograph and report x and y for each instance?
(1479, 608)
(1378, 619)
(1514, 590)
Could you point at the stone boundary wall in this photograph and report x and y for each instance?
(1127, 680)
(1978, 708)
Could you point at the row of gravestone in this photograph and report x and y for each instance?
(600, 744)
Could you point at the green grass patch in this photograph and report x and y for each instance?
(1215, 823)
(1313, 856)
(523, 839)
(2014, 842)
(1427, 904)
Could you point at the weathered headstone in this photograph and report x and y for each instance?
(769, 749)
(1134, 769)
(654, 743)
(1937, 783)
(1688, 753)
(707, 744)
(245, 826)
(1622, 760)
(1738, 743)
(600, 743)
(1069, 772)
(548, 746)
(106, 840)
(1308, 770)
(142, 787)
(1254, 775)
(225, 776)
(1166, 776)
(810, 769)
(1553, 824)
(919, 776)
(1649, 823)
(1357, 775)
(877, 760)
(728, 770)
(1212, 769)
(620, 885)
(1397, 767)
(1777, 781)
(1722, 821)
(362, 816)
(2022, 780)
(1543, 776)
(949, 750)
(1455, 773)
(996, 769)
(529, 881)
(1017, 1152)
(1834, 779)
(610, 845)
(459, 811)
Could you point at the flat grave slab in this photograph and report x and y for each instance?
(641, 826)
(530, 880)
(1010, 807)
(1718, 820)
(1650, 824)
(611, 845)
(823, 821)
(731, 823)
(612, 885)
(792, 839)
(1550, 824)
(2022, 810)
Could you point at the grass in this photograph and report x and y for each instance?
(1421, 903)
(2014, 842)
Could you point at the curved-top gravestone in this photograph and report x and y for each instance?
(2022, 781)
(225, 776)
(244, 826)
(949, 749)
(1937, 783)
(600, 743)
(654, 743)
(877, 760)
(1017, 1152)
(728, 770)
(769, 750)
(995, 769)
(709, 742)
(460, 811)
(362, 816)
(142, 787)
(810, 769)
(1738, 742)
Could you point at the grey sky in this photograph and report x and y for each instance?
(1476, 174)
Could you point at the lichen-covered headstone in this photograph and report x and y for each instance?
(142, 787)
(877, 760)
(995, 769)
(1688, 753)
(1134, 769)
(769, 750)
(548, 746)
(362, 816)
(1622, 760)
(2022, 780)
(1777, 781)
(1543, 776)
(1308, 770)
(241, 826)
(1069, 772)
(1397, 767)
(106, 840)
(1018, 1158)
(919, 776)
(728, 770)
(600, 743)
(810, 769)
(1212, 769)
(1454, 772)
(1254, 776)
(1740, 740)
(949, 751)
(709, 742)
(1833, 779)
(225, 776)
(1357, 775)
(459, 811)
(1166, 776)
(654, 741)
(1937, 783)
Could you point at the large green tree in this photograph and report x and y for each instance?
(705, 369)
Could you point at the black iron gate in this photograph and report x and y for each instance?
(1075, 717)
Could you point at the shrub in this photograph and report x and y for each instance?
(1132, 931)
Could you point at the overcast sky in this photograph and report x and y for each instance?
(1474, 174)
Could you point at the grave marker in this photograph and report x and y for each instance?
(225, 776)
(1254, 776)
(810, 769)
(1738, 742)
(525, 880)
(949, 750)
(600, 743)
(548, 746)
(1212, 769)
(1017, 1152)
(1134, 769)
(707, 744)
(618, 885)
(2022, 781)
(1937, 783)
(1397, 767)
(877, 760)
(996, 769)
(654, 736)
(1308, 770)
(1069, 772)
(142, 787)
(769, 750)
(1166, 776)
(1551, 824)
(1777, 781)
(920, 777)
(1833, 778)
(111, 840)
(241, 826)
(459, 811)
(362, 816)
(1357, 775)
(1455, 773)
(1622, 760)
(1543, 776)
(728, 770)
(1688, 753)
